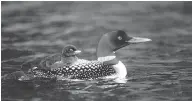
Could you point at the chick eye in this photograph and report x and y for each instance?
(119, 38)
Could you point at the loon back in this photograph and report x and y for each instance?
(88, 70)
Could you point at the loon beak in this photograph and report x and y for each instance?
(77, 51)
(134, 40)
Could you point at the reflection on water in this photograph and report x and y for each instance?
(157, 71)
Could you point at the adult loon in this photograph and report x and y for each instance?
(106, 65)
(68, 56)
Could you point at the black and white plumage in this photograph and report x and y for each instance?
(106, 64)
(88, 70)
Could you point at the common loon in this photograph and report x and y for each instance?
(107, 64)
(67, 57)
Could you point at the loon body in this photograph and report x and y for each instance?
(107, 64)
(87, 70)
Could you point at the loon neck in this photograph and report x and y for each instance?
(105, 51)
(104, 47)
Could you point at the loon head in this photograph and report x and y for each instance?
(112, 41)
(69, 51)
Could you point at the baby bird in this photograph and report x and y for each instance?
(66, 58)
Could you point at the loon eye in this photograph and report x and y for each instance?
(119, 38)
(71, 50)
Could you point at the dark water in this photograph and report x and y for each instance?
(160, 70)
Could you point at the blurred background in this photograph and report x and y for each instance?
(161, 69)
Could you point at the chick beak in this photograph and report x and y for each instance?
(77, 51)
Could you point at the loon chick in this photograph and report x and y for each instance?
(106, 65)
(67, 57)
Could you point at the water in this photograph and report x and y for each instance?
(160, 70)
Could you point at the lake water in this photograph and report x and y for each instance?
(160, 70)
